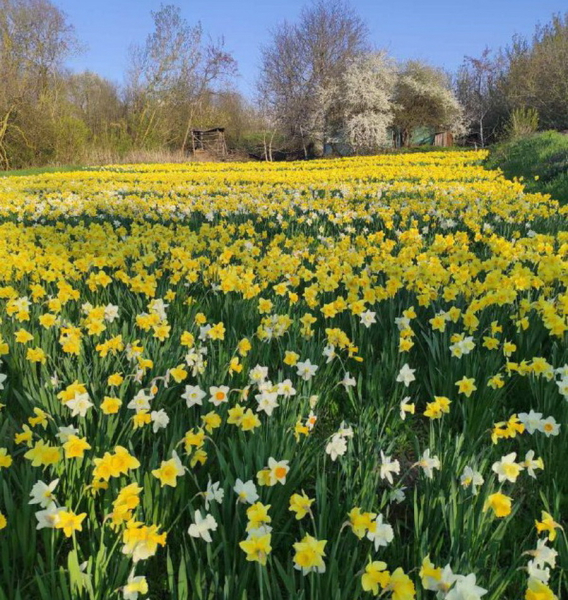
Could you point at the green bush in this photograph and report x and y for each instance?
(540, 159)
(522, 122)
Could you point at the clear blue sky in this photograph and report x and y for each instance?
(440, 31)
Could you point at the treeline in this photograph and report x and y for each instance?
(326, 88)
(323, 87)
(177, 80)
(518, 89)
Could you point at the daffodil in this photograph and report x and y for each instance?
(300, 505)
(257, 548)
(202, 526)
(310, 555)
(375, 578)
(69, 522)
(169, 471)
(547, 524)
(499, 503)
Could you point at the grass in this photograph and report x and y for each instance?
(541, 160)
(98, 157)
(40, 170)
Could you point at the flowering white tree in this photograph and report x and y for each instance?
(424, 98)
(367, 89)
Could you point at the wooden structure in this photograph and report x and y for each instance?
(418, 136)
(444, 139)
(209, 140)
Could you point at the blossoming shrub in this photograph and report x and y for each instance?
(337, 379)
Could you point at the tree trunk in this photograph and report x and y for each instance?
(3, 129)
(188, 129)
(148, 128)
(270, 146)
(265, 146)
(303, 143)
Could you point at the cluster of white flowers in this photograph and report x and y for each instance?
(533, 421)
(462, 347)
(450, 585)
(79, 404)
(42, 494)
(195, 359)
(337, 446)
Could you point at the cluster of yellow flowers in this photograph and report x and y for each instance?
(171, 333)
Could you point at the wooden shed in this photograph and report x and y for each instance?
(444, 138)
(209, 140)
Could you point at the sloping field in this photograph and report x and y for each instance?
(329, 380)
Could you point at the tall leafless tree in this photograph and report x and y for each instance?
(303, 61)
(479, 90)
(169, 76)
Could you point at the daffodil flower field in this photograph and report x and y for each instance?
(319, 380)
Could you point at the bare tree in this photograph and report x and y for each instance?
(170, 76)
(96, 100)
(478, 88)
(303, 62)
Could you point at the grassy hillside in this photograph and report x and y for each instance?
(541, 160)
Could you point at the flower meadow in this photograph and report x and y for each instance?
(328, 380)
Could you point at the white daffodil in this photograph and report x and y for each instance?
(531, 421)
(218, 394)
(465, 589)
(140, 402)
(193, 395)
(368, 318)
(406, 375)
(213, 493)
(531, 464)
(472, 478)
(286, 389)
(348, 380)
(79, 405)
(42, 493)
(428, 463)
(388, 467)
(160, 420)
(64, 433)
(267, 402)
(507, 469)
(48, 518)
(111, 312)
(337, 446)
(258, 374)
(202, 526)
(306, 370)
(246, 491)
(380, 533)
